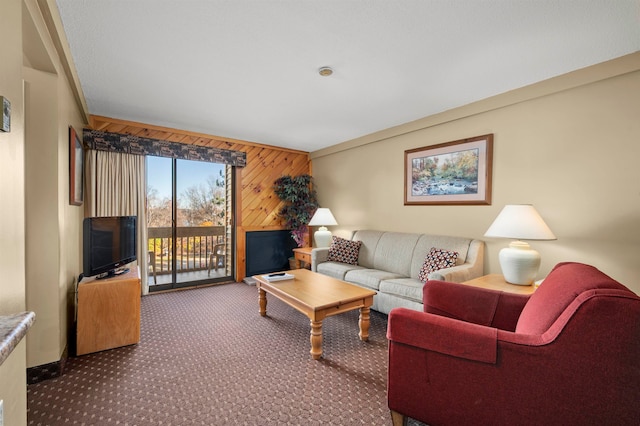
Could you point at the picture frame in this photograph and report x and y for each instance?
(451, 173)
(76, 168)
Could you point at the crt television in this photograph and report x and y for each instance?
(108, 243)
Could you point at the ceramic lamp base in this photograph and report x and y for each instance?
(519, 263)
(322, 237)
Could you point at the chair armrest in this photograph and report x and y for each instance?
(443, 335)
(473, 304)
(318, 255)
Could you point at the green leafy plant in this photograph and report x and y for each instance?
(300, 203)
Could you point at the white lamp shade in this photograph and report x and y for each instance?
(520, 221)
(322, 218)
(519, 263)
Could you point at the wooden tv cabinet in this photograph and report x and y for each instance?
(108, 312)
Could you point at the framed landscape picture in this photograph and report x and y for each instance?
(76, 169)
(457, 172)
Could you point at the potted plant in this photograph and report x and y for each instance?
(300, 203)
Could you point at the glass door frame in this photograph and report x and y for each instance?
(229, 236)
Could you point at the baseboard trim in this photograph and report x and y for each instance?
(44, 372)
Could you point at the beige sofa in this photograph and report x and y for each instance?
(389, 263)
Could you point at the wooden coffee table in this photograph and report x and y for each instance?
(318, 296)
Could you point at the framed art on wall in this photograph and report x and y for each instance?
(457, 172)
(76, 168)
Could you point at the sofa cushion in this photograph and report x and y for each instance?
(435, 260)
(370, 241)
(405, 288)
(394, 252)
(369, 278)
(345, 251)
(336, 269)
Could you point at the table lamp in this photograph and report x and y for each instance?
(519, 262)
(322, 218)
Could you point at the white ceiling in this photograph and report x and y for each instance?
(248, 69)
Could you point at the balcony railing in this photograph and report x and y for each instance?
(194, 245)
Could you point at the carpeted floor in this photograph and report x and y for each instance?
(206, 357)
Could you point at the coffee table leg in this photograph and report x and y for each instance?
(316, 339)
(363, 322)
(262, 301)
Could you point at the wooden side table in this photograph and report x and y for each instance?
(497, 282)
(302, 255)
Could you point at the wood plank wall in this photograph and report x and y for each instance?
(256, 204)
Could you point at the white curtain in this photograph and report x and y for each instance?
(116, 186)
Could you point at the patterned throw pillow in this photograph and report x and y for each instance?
(345, 251)
(437, 259)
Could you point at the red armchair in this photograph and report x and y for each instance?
(567, 355)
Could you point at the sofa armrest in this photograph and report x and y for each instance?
(473, 304)
(318, 255)
(473, 266)
(455, 274)
(443, 335)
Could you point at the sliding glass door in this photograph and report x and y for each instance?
(188, 218)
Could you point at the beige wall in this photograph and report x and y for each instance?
(69, 238)
(52, 225)
(569, 146)
(34, 173)
(41, 176)
(12, 245)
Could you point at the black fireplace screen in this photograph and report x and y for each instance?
(268, 251)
